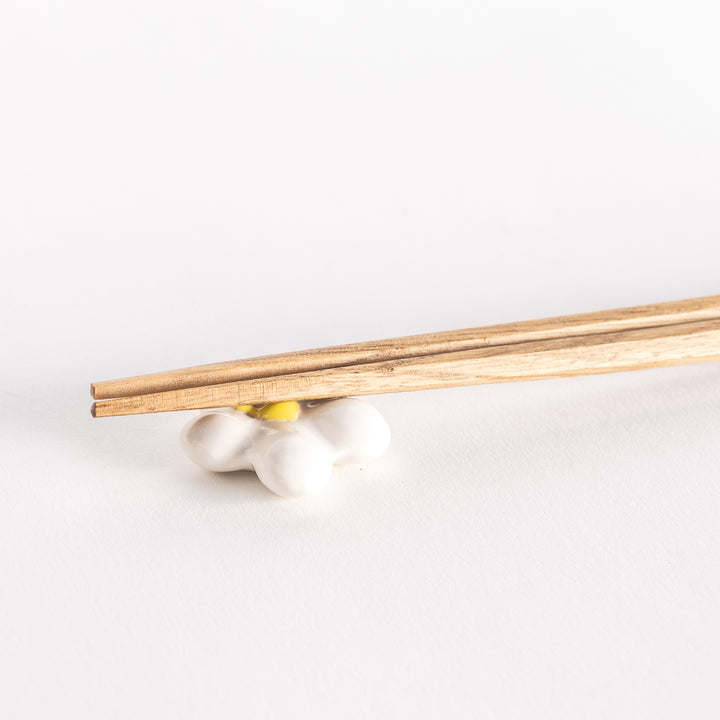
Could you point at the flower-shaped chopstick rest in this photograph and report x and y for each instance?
(291, 446)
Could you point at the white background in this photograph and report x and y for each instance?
(190, 182)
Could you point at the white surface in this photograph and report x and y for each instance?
(190, 182)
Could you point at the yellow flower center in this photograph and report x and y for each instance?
(289, 410)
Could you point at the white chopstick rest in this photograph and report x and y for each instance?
(292, 457)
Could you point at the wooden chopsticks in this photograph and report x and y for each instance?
(647, 336)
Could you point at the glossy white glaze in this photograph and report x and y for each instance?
(291, 457)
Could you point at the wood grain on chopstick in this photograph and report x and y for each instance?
(534, 360)
(643, 316)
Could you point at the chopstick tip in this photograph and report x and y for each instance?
(92, 410)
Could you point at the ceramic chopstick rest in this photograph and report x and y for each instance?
(291, 446)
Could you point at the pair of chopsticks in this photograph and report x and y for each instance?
(674, 333)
